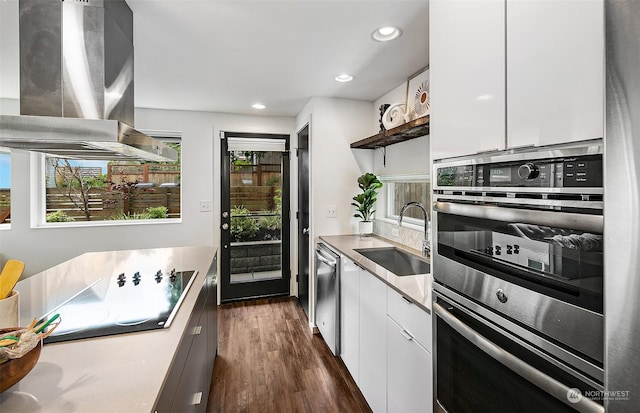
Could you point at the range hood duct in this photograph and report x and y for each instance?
(76, 83)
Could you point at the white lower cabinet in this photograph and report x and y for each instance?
(373, 341)
(409, 372)
(350, 315)
(385, 343)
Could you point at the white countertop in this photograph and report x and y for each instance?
(416, 288)
(121, 373)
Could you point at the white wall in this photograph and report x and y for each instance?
(410, 157)
(335, 124)
(336, 168)
(41, 248)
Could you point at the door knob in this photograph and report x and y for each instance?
(225, 214)
(305, 231)
(225, 226)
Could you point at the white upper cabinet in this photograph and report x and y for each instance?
(467, 76)
(511, 73)
(555, 71)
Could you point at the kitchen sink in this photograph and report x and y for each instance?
(397, 261)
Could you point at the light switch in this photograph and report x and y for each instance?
(205, 206)
(331, 211)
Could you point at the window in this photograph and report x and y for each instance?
(5, 187)
(399, 190)
(89, 190)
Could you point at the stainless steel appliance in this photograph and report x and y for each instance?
(328, 296)
(622, 217)
(122, 304)
(76, 83)
(518, 280)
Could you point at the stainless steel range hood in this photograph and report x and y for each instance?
(82, 139)
(76, 83)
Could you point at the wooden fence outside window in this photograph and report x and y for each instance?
(104, 203)
(5, 206)
(155, 173)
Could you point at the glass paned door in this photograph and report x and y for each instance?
(256, 216)
(255, 226)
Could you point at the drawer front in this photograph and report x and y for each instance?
(410, 317)
(409, 373)
(194, 329)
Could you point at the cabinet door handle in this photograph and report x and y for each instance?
(406, 334)
(406, 299)
(197, 398)
(488, 151)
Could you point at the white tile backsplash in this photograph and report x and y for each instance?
(407, 236)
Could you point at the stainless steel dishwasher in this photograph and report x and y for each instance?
(328, 296)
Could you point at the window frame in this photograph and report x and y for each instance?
(39, 203)
(3, 150)
(386, 201)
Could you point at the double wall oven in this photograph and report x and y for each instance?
(518, 280)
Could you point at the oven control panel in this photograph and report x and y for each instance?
(572, 172)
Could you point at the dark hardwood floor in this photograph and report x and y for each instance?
(268, 361)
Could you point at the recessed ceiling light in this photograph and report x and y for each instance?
(258, 106)
(384, 34)
(344, 78)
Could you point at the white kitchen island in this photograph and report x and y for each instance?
(118, 373)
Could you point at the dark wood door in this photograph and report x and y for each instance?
(303, 218)
(255, 218)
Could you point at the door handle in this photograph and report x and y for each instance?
(225, 226)
(305, 231)
(545, 383)
(575, 221)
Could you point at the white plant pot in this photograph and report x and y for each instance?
(365, 228)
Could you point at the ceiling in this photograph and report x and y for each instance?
(225, 55)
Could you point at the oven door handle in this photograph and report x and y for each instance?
(582, 222)
(524, 370)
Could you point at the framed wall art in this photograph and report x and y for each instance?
(418, 101)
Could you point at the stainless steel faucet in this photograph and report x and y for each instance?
(426, 245)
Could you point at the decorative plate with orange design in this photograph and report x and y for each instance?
(421, 102)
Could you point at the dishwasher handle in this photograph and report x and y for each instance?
(330, 261)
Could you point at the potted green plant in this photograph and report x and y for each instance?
(365, 201)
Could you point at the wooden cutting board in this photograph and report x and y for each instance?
(9, 277)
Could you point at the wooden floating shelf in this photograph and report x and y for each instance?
(410, 130)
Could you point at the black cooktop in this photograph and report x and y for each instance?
(122, 304)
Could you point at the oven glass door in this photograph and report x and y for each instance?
(559, 262)
(470, 379)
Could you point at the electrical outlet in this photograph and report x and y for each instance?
(395, 232)
(205, 206)
(331, 211)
